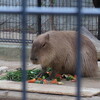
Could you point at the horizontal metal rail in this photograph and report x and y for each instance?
(50, 10)
(14, 40)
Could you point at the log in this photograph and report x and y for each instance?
(95, 41)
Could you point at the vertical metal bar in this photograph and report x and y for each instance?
(78, 65)
(39, 17)
(52, 16)
(99, 27)
(24, 29)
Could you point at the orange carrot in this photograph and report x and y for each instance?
(32, 80)
(39, 79)
(45, 81)
(54, 81)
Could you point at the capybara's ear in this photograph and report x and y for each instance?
(47, 37)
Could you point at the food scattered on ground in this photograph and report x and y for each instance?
(54, 81)
(32, 77)
(69, 77)
(45, 81)
(60, 83)
(32, 80)
(17, 75)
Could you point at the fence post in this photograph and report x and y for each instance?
(78, 60)
(24, 60)
(39, 18)
(52, 27)
(99, 27)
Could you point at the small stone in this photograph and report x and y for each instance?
(73, 80)
(3, 69)
(60, 83)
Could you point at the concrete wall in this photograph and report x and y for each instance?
(13, 52)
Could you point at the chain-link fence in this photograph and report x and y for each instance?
(10, 24)
(8, 30)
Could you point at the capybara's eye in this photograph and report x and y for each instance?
(43, 45)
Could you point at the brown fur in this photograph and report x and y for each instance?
(57, 49)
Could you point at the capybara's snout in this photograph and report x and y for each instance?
(34, 59)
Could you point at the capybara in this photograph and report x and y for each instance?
(57, 49)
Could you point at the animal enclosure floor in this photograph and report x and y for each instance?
(86, 83)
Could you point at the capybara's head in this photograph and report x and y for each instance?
(42, 51)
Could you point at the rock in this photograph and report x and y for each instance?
(3, 69)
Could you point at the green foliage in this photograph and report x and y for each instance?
(3, 78)
(17, 75)
(32, 73)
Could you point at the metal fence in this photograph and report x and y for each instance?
(24, 10)
(10, 24)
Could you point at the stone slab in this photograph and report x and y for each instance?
(48, 89)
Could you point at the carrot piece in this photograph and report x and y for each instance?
(32, 80)
(39, 79)
(45, 81)
(75, 76)
(54, 81)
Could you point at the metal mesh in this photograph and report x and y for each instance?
(10, 24)
(50, 23)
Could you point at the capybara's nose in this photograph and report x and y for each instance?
(34, 58)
